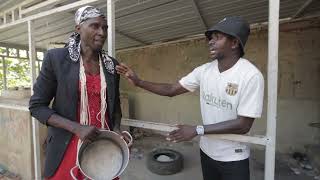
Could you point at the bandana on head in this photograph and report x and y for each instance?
(87, 12)
(73, 44)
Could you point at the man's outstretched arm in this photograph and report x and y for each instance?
(162, 89)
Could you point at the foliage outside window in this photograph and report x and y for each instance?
(17, 69)
(3, 51)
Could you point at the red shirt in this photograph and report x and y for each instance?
(69, 158)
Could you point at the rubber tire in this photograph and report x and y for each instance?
(165, 168)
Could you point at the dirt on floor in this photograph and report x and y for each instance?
(287, 168)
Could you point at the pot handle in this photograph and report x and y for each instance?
(71, 173)
(73, 176)
(129, 135)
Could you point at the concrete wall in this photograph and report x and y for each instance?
(15, 133)
(299, 76)
(16, 139)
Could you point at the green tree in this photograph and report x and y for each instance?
(18, 72)
(17, 69)
(2, 52)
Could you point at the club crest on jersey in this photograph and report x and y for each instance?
(232, 89)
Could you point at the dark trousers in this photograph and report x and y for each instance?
(217, 170)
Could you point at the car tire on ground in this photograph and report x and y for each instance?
(171, 166)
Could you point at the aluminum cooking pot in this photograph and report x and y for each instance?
(105, 158)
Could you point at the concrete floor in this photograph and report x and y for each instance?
(137, 169)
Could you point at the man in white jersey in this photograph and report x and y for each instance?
(231, 97)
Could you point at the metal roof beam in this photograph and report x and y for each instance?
(4, 4)
(18, 46)
(18, 6)
(301, 10)
(54, 35)
(62, 32)
(196, 9)
(38, 6)
(49, 12)
(59, 37)
(139, 3)
(55, 23)
(131, 37)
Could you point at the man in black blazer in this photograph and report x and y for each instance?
(59, 81)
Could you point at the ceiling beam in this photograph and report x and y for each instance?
(131, 37)
(140, 3)
(19, 46)
(196, 9)
(301, 10)
(18, 6)
(42, 25)
(48, 13)
(57, 34)
(38, 6)
(58, 37)
(60, 9)
(4, 4)
(54, 28)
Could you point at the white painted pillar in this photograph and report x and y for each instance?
(4, 17)
(13, 16)
(35, 123)
(32, 51)
(273, 45)
(4, 71)
(111, 28)
(20, 12)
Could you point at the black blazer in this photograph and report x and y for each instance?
(59, 80)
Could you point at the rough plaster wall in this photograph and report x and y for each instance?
(15, 140)
(166, 63)
(299, 87)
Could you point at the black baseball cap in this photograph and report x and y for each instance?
(234, 26)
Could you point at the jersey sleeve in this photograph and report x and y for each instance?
(191, 82)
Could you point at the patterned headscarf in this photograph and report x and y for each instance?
(73, 45)
(87, 12)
